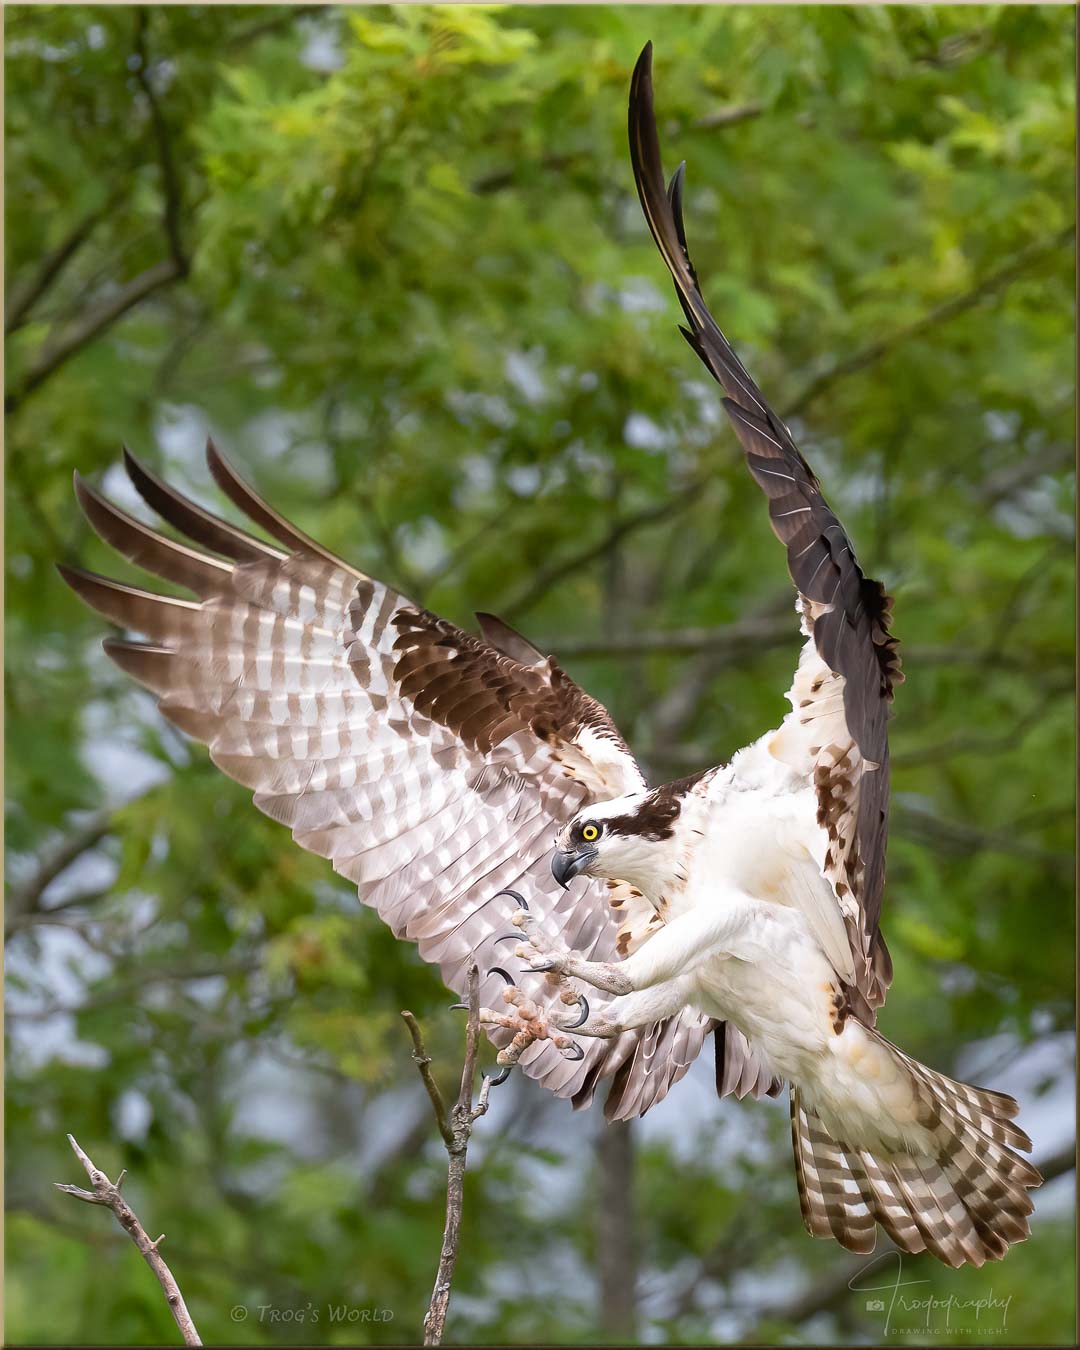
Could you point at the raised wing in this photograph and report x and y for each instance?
(837, 732)
(431, 767)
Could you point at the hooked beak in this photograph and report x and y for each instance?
(566, 865)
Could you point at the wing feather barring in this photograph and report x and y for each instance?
(489, 811)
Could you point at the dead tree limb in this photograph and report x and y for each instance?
(455, 1130)
(107, 1193)
(423, 1062)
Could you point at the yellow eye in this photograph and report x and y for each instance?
(589, 833)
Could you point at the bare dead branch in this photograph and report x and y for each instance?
(423, 1063)
(107, 1193)
(462, 1119)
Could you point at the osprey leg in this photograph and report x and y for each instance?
(675, 950)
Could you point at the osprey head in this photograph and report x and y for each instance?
(631, 838)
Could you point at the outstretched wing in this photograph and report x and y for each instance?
(431, 767)
(837, 732)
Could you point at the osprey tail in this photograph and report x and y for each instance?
(953, 1186)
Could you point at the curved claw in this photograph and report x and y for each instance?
(539, 970)
(572, 1026)
(522, 904)
(508, 937)
(498, 970)
(573, 1052)
(464, 1007)
(499, 1078)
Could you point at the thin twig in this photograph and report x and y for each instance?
(423, 1062)
(462, 1118)
(107, 1193)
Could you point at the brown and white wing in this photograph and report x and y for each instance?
(837, 732)
(431, 767)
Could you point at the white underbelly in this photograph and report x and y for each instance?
(777, 987)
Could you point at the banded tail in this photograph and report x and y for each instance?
(964, 1199)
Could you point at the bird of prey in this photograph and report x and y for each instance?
(435, 769)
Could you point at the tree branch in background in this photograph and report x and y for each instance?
(170, 182)
(959, 839)
(282, 19)
(95, 321)
(456, 1131)
(25, 900)
(107, 1193)
(102, 316)
(942, 313)
(617, 1255)
(25, 297)
(547, 577)
(759, 634)
(729, 639)
(728, 117)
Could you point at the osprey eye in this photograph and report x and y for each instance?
(590, 832)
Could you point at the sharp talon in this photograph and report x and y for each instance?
(572, 1026)
(538, 970)
(513, 896)
(498, 970)
(464, 1007)
(574, 1052)
(507, 937)
(499, 1078)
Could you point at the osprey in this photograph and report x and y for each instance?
(434, 769)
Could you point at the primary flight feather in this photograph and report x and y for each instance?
(435, 769)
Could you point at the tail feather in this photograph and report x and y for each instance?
(940, 1214)
(830, 1194)
(888, 1204)
(988, 1113)
(963, 1197)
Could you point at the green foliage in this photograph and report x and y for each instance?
(411, 292)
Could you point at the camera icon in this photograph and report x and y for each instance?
(875, 1305)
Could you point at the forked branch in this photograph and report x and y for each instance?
(107, 1193)
(455, 1130)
